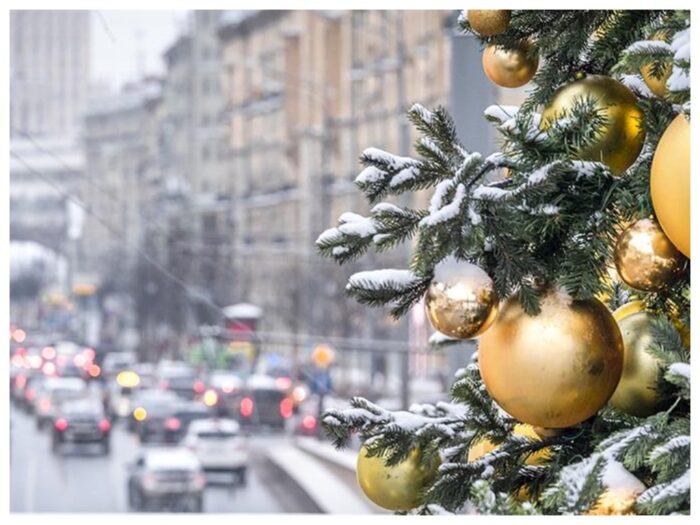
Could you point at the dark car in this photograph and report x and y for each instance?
(263, 404)
(81, 422)
(158, 423)
(166, 478)
(147, 402)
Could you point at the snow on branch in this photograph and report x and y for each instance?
(385, 278)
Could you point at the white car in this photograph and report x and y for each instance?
(219, 446)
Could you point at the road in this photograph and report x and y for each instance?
(84, 481)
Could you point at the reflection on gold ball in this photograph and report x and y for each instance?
(488, 22)
(636, 393)
(670, 183)
(646, 259)
(620, 140)
(397, 488)
(509, 68)
(462, 306)
(554, 369)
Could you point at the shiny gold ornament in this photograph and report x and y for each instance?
(397, 488)
(484, 446)
(488, 22)
(620, 496)
(554, 369)
(620, 140)
(509, 68)
(670, 183)
(657, 85)
(636, 393)
(646, 259)
(462, 306)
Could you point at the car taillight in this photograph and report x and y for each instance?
(20, 381)
(309, 422)
(45, 405)
(105, 425)
(283, 383)
(48, 352)
(286, 407)
(246, 407)
(61, 424)
(172, 423)
(198, 387)
(29, 394)
(94, 370)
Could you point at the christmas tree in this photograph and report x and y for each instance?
(573, 274)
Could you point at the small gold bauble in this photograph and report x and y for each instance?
(636, 393)
(620, 140)
(509, 68)
(397, 488)
(620, 494)
(646, 259)
(670, 183)
(484, 446)
(488, 22)
(463, 306)
(554, 369)
(656, 85)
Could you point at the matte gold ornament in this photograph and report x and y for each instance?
(488, 22)
(554, 369)
(462, 306)
(509, 68)
(397, 488)
(670, 183)
(636, 393)
(646, 259)
(620, 140)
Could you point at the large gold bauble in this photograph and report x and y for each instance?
(397, 488)
(620, 140)
(509, 68)
(646, 259)
(670, 183)
(462, 306)
(554, 369)
(636, 393)
(488, 22)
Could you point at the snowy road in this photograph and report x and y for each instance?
(81, 481)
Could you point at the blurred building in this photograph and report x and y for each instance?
(49, 70)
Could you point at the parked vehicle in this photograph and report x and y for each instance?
(166, 478)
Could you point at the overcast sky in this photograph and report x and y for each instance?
(119, 37)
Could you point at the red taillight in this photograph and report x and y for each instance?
(309, 422)
(48, 352)
(286, 407)
(20, 381)
(105, 425)
(29, 394)
(45, 405)
(283, 383)
(94, 370)
(172, 423)
(246, 407)
(61, 424)
(198, 387)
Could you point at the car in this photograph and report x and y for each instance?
(53, 392)
(227, 386)
(81, 422)
(180, 378)
(219, 445)
(169, 478)
(33, 384)
(142, 402)
(115, 362)
(263, 404)
(168, 422)
(186, 413)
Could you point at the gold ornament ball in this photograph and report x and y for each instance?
(636, 393)
(620, 140)
(463, 306)
(620, 494)
(488, 22)
(509, 68)
(646, 259)
(657, 85)
(397, 488)
(484, 446)
(554, 369)
(670, 183)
